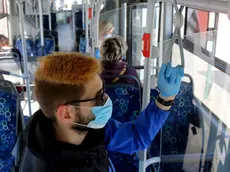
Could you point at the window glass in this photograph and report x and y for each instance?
(139, 26)
(223, 36)
(197, 22)
(4, 27)
(207, 143)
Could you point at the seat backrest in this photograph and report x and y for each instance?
(49, 46)
(126, 102)
(126, 99)
(8, 116)
(126, 107)
(49, 43)
(82, 44)
(176, 128)
(54, 35)
(29, 45)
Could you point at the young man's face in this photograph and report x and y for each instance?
(81, 112)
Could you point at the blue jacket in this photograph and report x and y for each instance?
(119, 137)
(129, 137)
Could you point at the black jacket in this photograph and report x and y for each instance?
(56, 156)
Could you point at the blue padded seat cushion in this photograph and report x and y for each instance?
(126, 103)
(49, 46)
(8, 122)
(176, 128)
(29, 46)
(6, 163)
(126, 107)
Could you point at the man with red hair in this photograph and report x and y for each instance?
(74, 130)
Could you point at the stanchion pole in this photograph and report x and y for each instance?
(41, 24)
(24, 53)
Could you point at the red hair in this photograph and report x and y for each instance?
(60, 78)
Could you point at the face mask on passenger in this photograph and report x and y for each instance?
(108, 35)
(102, 115)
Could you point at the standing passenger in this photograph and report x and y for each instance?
(73, 130)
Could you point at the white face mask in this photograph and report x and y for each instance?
(102, 114)
(108, 35)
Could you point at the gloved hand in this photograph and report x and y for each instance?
(169, 80)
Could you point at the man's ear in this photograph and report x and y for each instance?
(63, 113)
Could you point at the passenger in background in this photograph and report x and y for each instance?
(5, 47)
(112, 52)
(4, 41)
(106, 29)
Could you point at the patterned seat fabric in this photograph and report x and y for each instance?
(82, 44)
(6, 163)
(8, 129)
(126, 107)
(7, 122)
(126, 103)
(29, 46)
(49, 46)
(176, 128)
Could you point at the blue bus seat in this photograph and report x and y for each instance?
(82, 44)
(7, 163)
(126, 97)
(54, 35)
(126, 102)
(9, 128)
(176, 128)
(126, 107)
(49, 46)
(29, 45)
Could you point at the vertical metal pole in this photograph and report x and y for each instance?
(165, 32)
(209, 74)
(9, 24)
(73, 23)
(50, 18)
(24, 54)
(50, 21)
(96, 26)
(87, 25)
(124, 20)
(3, 6)
(41, 23)
(83, 14)
(97, 18)
(92, 24)
(147, 76)
(147, 69)
(36, 21)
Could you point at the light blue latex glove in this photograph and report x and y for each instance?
(169, 80)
